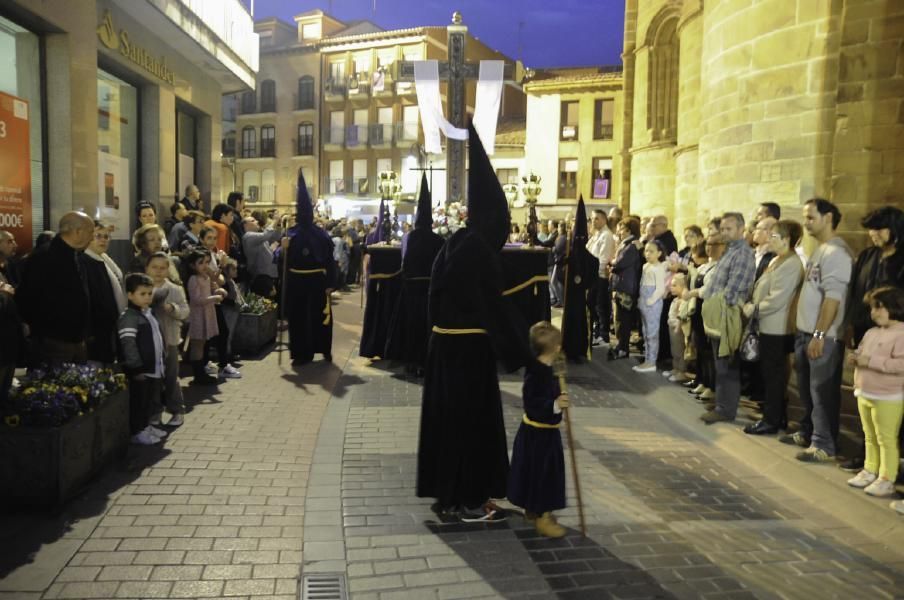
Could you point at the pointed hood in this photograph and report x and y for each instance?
(376, 236)
(304, 208)
(424, 217)
(580, 236)
(488, 212)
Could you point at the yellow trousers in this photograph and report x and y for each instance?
(881, 420)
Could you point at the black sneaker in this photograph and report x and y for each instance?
(795, 439)
(204, 379)
(487, 512)
(852, 465)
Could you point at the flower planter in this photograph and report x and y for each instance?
(45, 467)
(253, 332)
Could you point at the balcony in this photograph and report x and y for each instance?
(407, 132)
(268, 148)
(359, 86)
(404, 87)
(268, 107)
(382, 87)
(304, 146)
(249, 152)
(603, 132)
(303, 103)
(334, 138)
(334, 89)
(381, 135)
(356, 136)
(228, 148)
(364, 186)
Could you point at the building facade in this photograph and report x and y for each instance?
(121, 102)
(732, 103)
(574, 137)
(362, 118)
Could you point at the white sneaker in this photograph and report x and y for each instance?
(898, 506)
(175, 421)
(862, 479)
(666, 374)
(156, 431)
(645, 368)
(230, 372)
(707, 394)
(596, 341)
(144, 438)
(210, 368)
(881, 488)
(677, 379)
(699, 389)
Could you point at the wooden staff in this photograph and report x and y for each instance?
(560, 371)
(282, 300)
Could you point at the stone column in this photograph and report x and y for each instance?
(690, 27)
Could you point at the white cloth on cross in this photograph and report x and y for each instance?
(426, 81)
(486, 106)
(486, 109)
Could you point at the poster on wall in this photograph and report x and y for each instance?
(114, 205)
(15, 170)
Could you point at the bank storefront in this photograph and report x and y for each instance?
(112, 103)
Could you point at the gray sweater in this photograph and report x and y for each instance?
(828, 275)
(258, 255)
(774, 294)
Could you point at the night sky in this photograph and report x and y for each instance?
(555, 33)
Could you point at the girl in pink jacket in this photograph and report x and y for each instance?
(879, 387)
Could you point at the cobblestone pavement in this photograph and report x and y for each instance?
(310, 473)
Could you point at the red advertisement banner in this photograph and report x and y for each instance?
(15, 170)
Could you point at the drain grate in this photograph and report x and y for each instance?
(326, 586)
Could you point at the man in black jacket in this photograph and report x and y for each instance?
(53, 296)
(192, 199)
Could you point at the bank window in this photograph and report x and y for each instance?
(249, 143)
(305, 92)
(602, 178)
(568, 178)
(268, 96)
(268, 140)
(186, 141)
(569, 120)
(249, 101)
(20, 77)
(117, 145)
(305, 139)
(603, 119)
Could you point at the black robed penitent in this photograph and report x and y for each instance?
(311, 271)
(582, 269)
(462, 448)
(408, 330)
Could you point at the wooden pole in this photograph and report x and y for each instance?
(567, 412)
(568, 432)
(283, 309)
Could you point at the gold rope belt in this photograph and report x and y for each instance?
(527, 421)
(307, 271)
(384, 275)
(327, 311)
(521, 286)
(445, 331)
(418, 279)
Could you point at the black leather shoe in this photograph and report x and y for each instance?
(760, 428)
(711, 416)
(691, 383)
(852, 465)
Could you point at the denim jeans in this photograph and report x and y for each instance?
(650, 316)
(819, 386)
(603, 308)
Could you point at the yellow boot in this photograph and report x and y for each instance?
(547, 526)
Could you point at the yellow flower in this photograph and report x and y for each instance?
(12, 420)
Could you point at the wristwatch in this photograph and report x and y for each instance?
(818, 335)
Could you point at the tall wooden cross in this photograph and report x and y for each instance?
(457, 72)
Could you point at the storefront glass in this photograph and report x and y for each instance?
(20, 78)
(117, 161)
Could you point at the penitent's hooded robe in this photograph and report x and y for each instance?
(581, 269)
(311, 270)
(408, 330)
(462, 448)
(384, 283)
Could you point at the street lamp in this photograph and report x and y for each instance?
(531, 189)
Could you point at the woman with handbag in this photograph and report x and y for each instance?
(772, 310)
